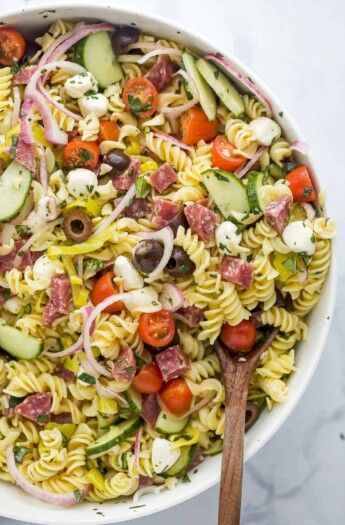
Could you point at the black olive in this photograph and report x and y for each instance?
(148, 255)
(178, 220)
(179, 263)
(156, 349)
(118, 160)
(252, 414)
(31, 49)
(77, 226)
(123, 37)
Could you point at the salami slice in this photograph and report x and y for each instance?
(201, 220)
(163, 177)
(172, 363)
(125, 365)
(36, 407)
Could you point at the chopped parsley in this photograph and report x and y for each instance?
(136, 106)
(307, 191)
(43, 418)
(27, 309)
(86, 378)
(14, 142)
(139, 360)
(14, 401)
(290, 264)
(313, 239)
(137, 506)
(185, 479)
(78, 495)
(23, 229)
(142, 187)
(85, 155)
(216, 74)
(94, 264)
(21, 254)
(20, 453)
(90, 187)
(281, 114)
(130, 369)
(131, 172)
(183, 269)
(342, 436)
(6, 294)
(15, 67)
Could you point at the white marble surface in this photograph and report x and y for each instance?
(297, 47)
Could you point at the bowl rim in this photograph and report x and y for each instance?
(204, 42)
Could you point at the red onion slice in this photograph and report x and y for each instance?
(203, 403)
(176, 112)
(171, 297)
(161, 51)
(137, 447)
(31, 240)
(109, 393)
(309, 210)
(63, 500)
(16, 106)
(165, 235)
(221, 60)
(178, 143)
(56, 105)
(300, 146)
(78, 345)
(88, 327)
(116, 212)
(251, 162)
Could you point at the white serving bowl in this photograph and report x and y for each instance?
(16, 504)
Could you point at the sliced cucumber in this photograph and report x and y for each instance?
(134, 399)
(114, 436)
(106, 422)
(222, 86)
(207, 99)
(227, 191)
(169, 424)
(244, 218)
(96, 54)
(19, 345)
(181, 465)
(15, 183)
(255, 182)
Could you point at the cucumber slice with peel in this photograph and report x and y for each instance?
(114, 436)
(169, 424)
(227, 191)
(134, 399)
(19, 345)
(207, 99)
(15, 183)
(182, 464)
(255, 182)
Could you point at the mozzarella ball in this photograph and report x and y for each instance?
(299, 238)
(77, 86)
(97, 104)
(265, 130)
(132, 280)
(44, 268)
(82, 182)
(13, 305)
(162, 455)
(144, 300)
(227, 237)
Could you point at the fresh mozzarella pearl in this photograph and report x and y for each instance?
(82, 182)
(13, 305)
(44, 268)
(299, 238)
(77, 86)
(227, 235)
(162, 455)
(144, 300)
(265, 130)
(132, 280)
(97, 104)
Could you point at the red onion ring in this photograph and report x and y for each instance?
(78, 345)
(178, 143)
(63, 500)
(116, 212)
(203, 403)
(160, 51)
(309, 210)
(171, 297)
(109, 393)
(56, 105)
(16, 106)
(220, 60)
(137, 447)
(300, 146)
(251, 163)
(175, 112)
(165, 235)
(31, 240)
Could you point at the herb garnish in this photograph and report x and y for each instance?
(14, 142)
(136, 106)
(86, 378)
(94, 264)
(307, 191)
(85, 155)
(43, 418)
(20, 453)
(23, 229)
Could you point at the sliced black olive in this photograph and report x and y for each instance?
(178, 220)
(252, 414)
(148, 255)
(123, 37)
(179, 263)
(118, 160)
(77, 226)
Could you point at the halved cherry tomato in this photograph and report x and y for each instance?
(12, 46)
(196, 126)
(140, 97)
(108, 130)
(81, 154)
(157, 328)
(176, 396)
(149, 380)
(239, 338)
(301, 185)
(104, 288)
(222, 155)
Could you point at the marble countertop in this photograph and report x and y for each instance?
(297, 47)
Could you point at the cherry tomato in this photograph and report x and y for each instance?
(176, 396)
(104, 288)
(239, 338)
(301, 185)
(157, 328)
(108, 130)
(149, 380)
(222, 155)
(196, 126)
(12, 46)
(80, 154)
(140, 97)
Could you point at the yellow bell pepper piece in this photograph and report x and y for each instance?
(38, 133)
(67, 429)
(79, 297)
(149, 165)
(91, 245)
(67, 341)
(71, 364)
(107, 406)
(87, 204)
(133, 148)
(284, 272)
(297, 212)
(83, 297)
(95, 477)
(190, 437)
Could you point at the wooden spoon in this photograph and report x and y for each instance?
(236, 372)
